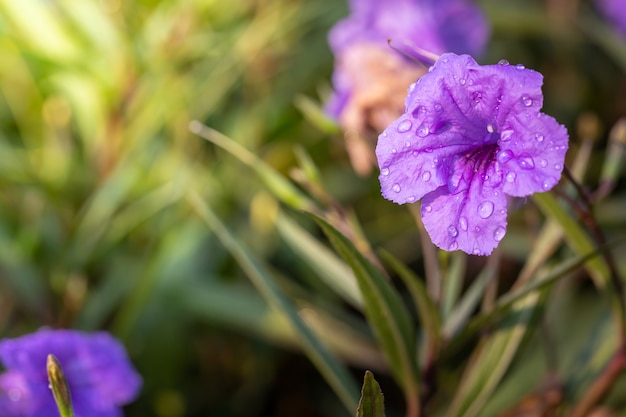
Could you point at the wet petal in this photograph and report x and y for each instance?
(472, 220)
(537, 146)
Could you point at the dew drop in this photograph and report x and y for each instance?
(428, 208)
(511, 176)
(384, 172)
(452, 231)
(548, 183)
(503, 62)
(426, 176)
(438, 108)
(543, 163)
(396, 188)
(453, 246)
(476, 251)
(422, 131)
(471, 82)
(527, 101)
(526, 162)
(520, 66)
(411, 199)
(463, 223)
(404, 126)
(394, 150)
(499, 233)
(557, 167)
(485, 209)
(462, 81)
(477, 229)
(411, 87)
(505, 136)
(407, 144)
(538, 137)
(504, 156)
(445, 60)
(384, 134)
(431, 68)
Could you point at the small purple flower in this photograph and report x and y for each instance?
(615, 12)
(371, 78)
(470, 136)
(436, 26)
(100, 377)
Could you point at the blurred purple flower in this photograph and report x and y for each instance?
(615, 12)
(100, 377)
(470, 135)
(371, 78)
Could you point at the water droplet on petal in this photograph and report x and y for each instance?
(394, 150)
(477, 229)
(384, 134)
(548, 183)
(428, 208)
(404, 126)
(485, 209)
(462, 81)
(526, 162)
(431, 68)
(438, 108)
(422, 131)
(411, 199)
(411, 87)
(426, 176)
(520, 66)
(543, 163)
(452, 231)
(538, 137)
(445, 60)
(384, 172)
(505, 136)
(453, 246)
(503, 62)
(463, 223)
(476, 251)
(557, 166)
(527, 101)
(396, 188)
(499, 233)
(504, 156)
(510, 177)
(407, 144)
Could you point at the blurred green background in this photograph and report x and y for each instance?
(97, 162)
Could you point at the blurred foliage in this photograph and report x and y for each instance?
(118, 212)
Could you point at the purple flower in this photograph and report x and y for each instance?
(470, 136)
(100, 377)
(615, 12)
(371, 78)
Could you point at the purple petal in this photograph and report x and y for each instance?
(472, 220)
(537, 146)
(615, 12)
(98, 372)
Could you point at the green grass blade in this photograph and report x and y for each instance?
(386, 313)
(334, 272)
(575, 236)
(335, 373)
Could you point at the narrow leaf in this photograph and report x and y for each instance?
(386, 313)
(59, 387)
(372, 402)
(334, 372)
(575, 236)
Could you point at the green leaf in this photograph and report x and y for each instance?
(282, 188)
(59, 387)
(372, 402)
(332, 270)
(334, 372)
(577, 239)
(315, 115)
(427, 311)
(386, 313)
(492, 359)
